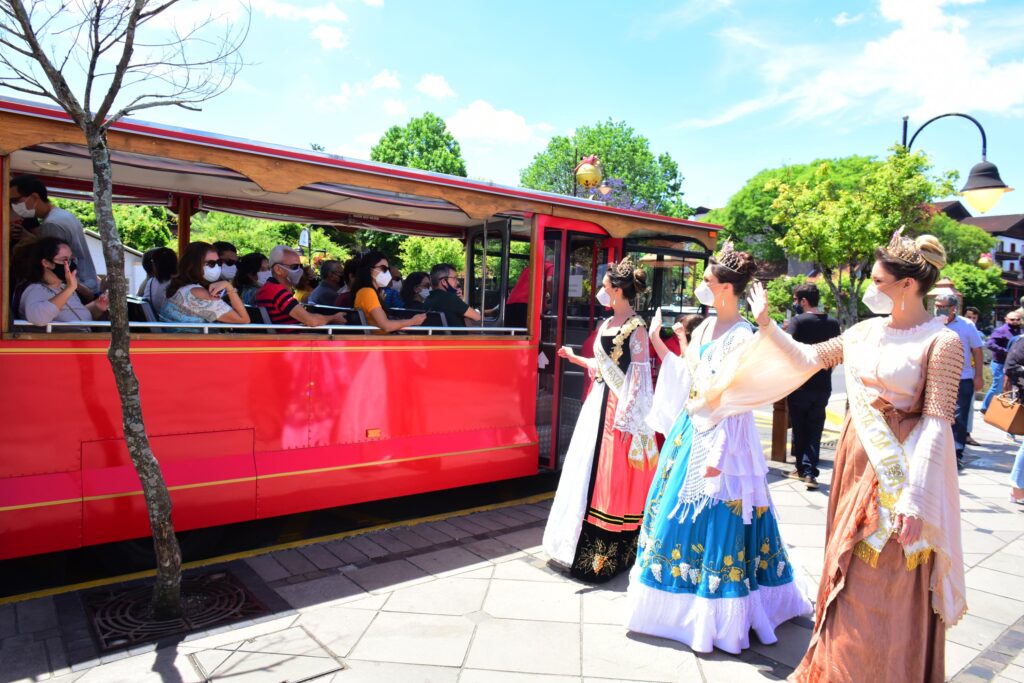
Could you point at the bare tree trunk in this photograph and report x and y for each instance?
(167, 591)
(842, 311)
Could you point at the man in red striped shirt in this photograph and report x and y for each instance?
(276, 295)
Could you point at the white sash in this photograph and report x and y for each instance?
(889, 459)
(607, 369)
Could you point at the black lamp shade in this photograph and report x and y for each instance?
(984, 176)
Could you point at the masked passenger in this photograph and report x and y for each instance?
(50, 294)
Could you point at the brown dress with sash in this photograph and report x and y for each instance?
(874, 619)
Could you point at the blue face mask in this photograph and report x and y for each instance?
(797, 309)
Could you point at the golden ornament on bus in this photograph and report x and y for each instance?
(588, 171)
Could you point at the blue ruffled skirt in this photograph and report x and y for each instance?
(707, 579)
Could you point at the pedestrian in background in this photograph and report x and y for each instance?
(999, 343)
(971, 380)
(807, 404)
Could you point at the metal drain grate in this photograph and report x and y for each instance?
(120, 616)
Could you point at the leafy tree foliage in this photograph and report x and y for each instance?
(838, 229)
(652, 183)
(141, 227)
(978, 285)
(423, 143)
(423, 253)
(255, 234)
(749, 218)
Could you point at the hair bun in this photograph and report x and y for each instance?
(747, 265)
(932, 250)
(640, 279)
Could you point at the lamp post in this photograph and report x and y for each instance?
(984, 187)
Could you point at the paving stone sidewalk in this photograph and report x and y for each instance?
(473, 599)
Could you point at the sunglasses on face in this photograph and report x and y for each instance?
(211, 264)
(382, 268)
(294, 266)
(228, 261)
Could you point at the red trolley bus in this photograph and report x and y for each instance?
(308, 424)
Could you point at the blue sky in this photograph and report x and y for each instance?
(727, 87)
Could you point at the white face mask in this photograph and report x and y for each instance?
(877, 301)
(23, 210)
(704, 294)
(604, 298)
(425, 292)
(294, 275)
(396, 285)
(383, 279)
(262, 277)
(228, 272)
(211, 273)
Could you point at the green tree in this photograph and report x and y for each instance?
(838, 229)
(964, 243)
(258, 235)
(423, 143)
(749, 218)
(653, 182)
(980, 286)
(423, 253)
(141, 227)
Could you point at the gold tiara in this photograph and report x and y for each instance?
(904, 248)
(728, 257)
(624, 268)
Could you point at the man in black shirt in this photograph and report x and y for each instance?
(444, 297)
(808, 403)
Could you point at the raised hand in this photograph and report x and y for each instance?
(757, 297)
(655, 323)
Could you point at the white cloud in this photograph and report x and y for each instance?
(330, 37)
(339, 99)
(844, 19)
(480, 121)
(685, 15)
(374, 3)
(395, 107)
(387, 80)
(737, 111)
(933, 60)
(433, 85)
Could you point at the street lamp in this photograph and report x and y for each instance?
(984, 187)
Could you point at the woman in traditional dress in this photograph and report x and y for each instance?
(893, 578)
(711, 564)
(595, 517)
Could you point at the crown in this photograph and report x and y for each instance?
(624, 268)
(728, 257)
(904, 248)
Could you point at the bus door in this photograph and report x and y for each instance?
(569, 317)
(674, 268)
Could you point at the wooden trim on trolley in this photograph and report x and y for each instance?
(283, 174)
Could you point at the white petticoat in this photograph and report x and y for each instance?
(565, 521)
(704, 624)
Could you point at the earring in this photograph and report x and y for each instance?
(903, 301)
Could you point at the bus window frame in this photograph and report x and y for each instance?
(297, 332)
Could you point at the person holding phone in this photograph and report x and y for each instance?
(51, 294)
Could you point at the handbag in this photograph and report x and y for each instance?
(1006, 413)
